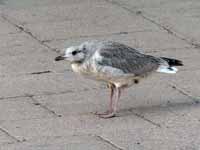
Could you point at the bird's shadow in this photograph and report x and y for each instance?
(169, 107)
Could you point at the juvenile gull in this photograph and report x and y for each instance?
(118, 65)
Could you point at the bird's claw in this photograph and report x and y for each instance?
(102, 113)
(105, 115)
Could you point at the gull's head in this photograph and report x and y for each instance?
(74, 54)
(77, 54)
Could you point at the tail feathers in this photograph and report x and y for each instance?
(167, 69)
(173, 62)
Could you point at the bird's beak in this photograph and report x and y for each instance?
(58, 58)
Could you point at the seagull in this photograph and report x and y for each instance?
(119, 65)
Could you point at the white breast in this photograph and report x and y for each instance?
(76, 68)
(84, 68)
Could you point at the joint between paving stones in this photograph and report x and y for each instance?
(98, 35)
(49, 93)
(196, 100)
(35, 102)
(163, 27)
(11, 136)
(43, 42)
(102, 139)
(145, 119)
(23, 29)
(173, 33)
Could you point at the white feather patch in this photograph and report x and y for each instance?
(97, 56)
(167, 69)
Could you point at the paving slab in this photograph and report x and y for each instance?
(189, 83)
(7, 28)
(62, 143)
(72, 125)
(5, 139)
(152, 139)
(49, 83)
(29, 4)
(143, 40)
(20, 109)
(123, 132)
(143, 96)
(77, 103)
(185, 16)
(99, 19)
(19, 44)
(175, 133)
(29, 63)
(180, 17)
(56, 11)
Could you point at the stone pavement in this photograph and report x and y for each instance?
(45, 106)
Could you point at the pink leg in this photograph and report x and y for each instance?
(111, 98)
(117, 99)
(114, 106)
(112, 91)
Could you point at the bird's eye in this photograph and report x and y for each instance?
(84, 48)
(74, 52)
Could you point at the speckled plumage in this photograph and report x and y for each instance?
(116, 64)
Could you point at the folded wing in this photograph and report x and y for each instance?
(127, 59)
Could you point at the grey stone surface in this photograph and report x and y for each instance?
(71, 125)
(133, 99)
(180, 17)
(95, 17)
(47, 83)
(62, 143)
(35, 62)
(7, 29)
(144, 40)
(19, 44)
(5, 139)
(45, 106)
(20, 109)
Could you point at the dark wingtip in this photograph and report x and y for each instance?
(179, 63)
(173, 62)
